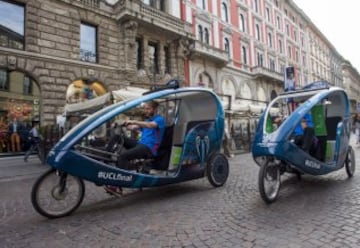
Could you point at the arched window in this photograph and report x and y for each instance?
(260, 59)
(200, 31)
(224, 12)
(201, 3)
(227, 46)
(244, 55)
(257, 32)
(242, 22)
(206, 34)
(280, 46)
(256, 6)
(270, 39)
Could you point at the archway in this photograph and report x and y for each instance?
(84, 89)
(77, 94)
(228, 89)
(273, 95)
(204, 80)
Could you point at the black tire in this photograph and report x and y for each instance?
(269, 173)
(217, 169)
(350, 162)
(53, 191)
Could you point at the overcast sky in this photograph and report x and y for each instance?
(338, 21)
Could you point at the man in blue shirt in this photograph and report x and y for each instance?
(152, 130)
(304, 133)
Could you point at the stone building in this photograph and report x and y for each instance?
(54, 52)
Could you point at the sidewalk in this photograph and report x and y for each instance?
(14, 168)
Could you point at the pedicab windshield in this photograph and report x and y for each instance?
(319, 104)
(97, 128)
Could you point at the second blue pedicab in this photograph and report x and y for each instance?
(275, 150)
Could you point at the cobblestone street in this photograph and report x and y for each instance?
(313, 212)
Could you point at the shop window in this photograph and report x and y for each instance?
(21, 106)
(4, 80)
(88, 46)
(11, 25)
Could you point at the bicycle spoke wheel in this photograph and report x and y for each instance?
(350, 162)
(269, 181)
(56, 194)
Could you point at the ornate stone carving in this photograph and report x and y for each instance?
(130, 31)
(12, 62)
(184, 48)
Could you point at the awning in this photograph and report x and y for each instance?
(92, 104)
(128, 93)
(256, 109)
(235, 107)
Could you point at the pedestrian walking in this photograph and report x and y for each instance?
(356, 124)
(34, 140)
(226, 141)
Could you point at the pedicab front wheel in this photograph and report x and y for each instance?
(350, 162)
(57, 194)
(269, 181)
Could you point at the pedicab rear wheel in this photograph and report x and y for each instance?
(269, 180)
(217, 169)
(57, 194)
(350, 162)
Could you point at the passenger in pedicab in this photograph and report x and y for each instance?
(304, 135)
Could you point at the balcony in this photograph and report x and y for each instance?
(262, 72)
(147, 15)
(206, 51)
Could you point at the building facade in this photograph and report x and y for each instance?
(58, 52)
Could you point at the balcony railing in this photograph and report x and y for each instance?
(136, 10)
(217, 55)
(90, 3)
(260, 71)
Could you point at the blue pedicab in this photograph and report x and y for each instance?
(275, 149)
(190, 149)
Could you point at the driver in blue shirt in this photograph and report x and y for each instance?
(304, 133)
(152, 130)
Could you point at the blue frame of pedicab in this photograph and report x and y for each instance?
(206, 139)
(278, 144)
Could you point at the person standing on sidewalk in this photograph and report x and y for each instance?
(15, 129)
(35, 139)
